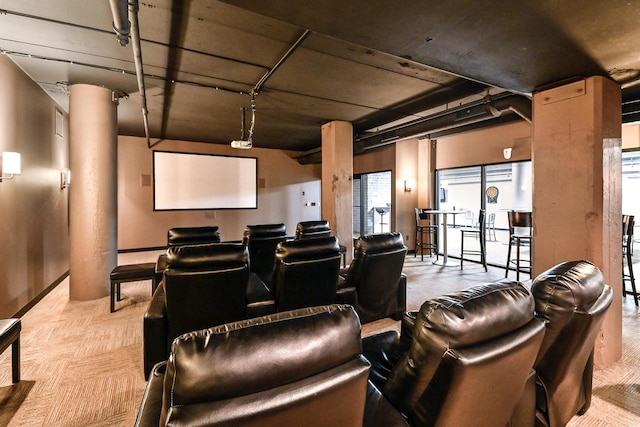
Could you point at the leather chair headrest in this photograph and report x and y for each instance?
(476, 314)
(193, 235)
(210, 256)
(376, 243)
(307, 249)
(227, 361)
(318, 228)
(265, 230)
(568, 287)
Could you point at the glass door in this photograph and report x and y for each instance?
(372, 203)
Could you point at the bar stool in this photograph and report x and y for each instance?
(479, 234)
(426, 226)
(628, 222)
(520, 234)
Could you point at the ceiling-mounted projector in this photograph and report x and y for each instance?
(243, 145)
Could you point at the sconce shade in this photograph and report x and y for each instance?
(11, 163)
(409, 184)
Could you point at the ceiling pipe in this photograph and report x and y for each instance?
(488, 108)
(125, 24)
(120, 21)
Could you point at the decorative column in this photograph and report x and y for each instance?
(337, 181)
(93, 191)
(577, 189)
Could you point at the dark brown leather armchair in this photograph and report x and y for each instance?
(306, 273)
(302, 367)
(262, 240)
(572, 298)
(374, 283)
(465, 359)
(202, 286)
(179, 236)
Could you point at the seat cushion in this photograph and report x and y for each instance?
(131, 272)
(9, 331)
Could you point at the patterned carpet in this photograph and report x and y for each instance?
(82, 366)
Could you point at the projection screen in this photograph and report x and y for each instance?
(184, 181)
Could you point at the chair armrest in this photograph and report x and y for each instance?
(344, 271)
(161, 265)
(402, 297)
(151, 405)
(406, 328)
(155, 331)
(345, 293)
(260, 302)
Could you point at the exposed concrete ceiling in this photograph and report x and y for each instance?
(376, 64)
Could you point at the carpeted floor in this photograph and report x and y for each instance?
(82, 366)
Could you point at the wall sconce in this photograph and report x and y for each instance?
(507, 153)
(409, 184)
(9, 165)
(65, 178)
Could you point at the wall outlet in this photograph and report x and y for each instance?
(210, 214)
(406, 238)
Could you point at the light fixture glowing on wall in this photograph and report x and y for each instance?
(9, 165)
(507, 153)
(409, 184)
(65, 178)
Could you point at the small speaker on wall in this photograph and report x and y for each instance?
(145, 180)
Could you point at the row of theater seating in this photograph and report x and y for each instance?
(496, 354)
(208, 284)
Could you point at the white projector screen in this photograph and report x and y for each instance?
(184, 181)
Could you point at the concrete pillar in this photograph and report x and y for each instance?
(93, 191)
(337, 181)
(577, 188)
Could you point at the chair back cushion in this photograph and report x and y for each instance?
(205, 285)
(312, 229)
(375, 273)
(293, 368)
(462, 342)
(306, 273)
(262, 240)
(572, 298)
(193, 235)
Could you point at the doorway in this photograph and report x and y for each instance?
(372, 210)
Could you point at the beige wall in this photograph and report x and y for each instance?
(34, 221)
(630, 136)
(485, 146)
(287, 187)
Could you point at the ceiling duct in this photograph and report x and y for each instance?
(490, 107)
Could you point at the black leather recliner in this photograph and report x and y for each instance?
(374, 283)
(306, 273)
(465, 359)
(572, 298)
(262, 240)
(202, 286)
(179, 236)
(302, 367)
